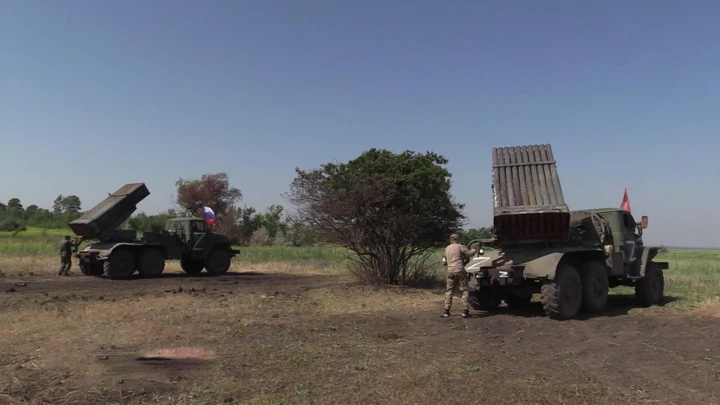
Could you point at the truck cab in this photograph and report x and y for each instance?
(196, 244)
(624, 234)
(188, 229)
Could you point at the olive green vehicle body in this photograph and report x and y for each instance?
(540, 246)
(118, 254)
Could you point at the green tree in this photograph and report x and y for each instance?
(246, 223)
(143, 222)
(58, 204)
(389, 209)
(14, 204)
(272, 221)
(30, 211)
(475, 233)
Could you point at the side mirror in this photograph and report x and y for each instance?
(644, 222)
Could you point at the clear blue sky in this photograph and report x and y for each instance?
(97, 94)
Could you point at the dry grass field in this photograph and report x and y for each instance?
(300, 331)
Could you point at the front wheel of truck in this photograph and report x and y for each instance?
(562, 297)
(218, 261)
(650, 289)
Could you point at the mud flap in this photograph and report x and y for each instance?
(618, 267)
(637, 269)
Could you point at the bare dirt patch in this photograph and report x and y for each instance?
(276, 334)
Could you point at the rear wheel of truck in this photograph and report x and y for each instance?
(562, 297)
(650, 289)
(486, 299)
(191, 266)
(595, 286)
(151, 262)
(120, 264)
(218, 261)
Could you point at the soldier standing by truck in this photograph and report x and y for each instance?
(455, 257)
(65, 256)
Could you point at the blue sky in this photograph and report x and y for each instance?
(94, 95)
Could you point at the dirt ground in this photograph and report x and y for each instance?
(277, 334)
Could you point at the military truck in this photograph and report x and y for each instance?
(571, 258)
(118, 253)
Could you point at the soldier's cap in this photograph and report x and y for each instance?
(67, 237)
(454, 236)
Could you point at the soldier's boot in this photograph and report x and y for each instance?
(466, 313)
(446, 313)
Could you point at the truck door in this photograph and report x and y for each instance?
(198, 230)
(631, 245)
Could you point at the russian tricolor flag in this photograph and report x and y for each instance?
(209, 216)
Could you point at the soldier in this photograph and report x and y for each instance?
(454, 259)
(65, 256)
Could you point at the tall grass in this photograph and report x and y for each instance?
(693, 276)
(32, 242)
(36, 242)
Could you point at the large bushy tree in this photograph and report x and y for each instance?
(212, 190)
(69, 204)
(390, 209)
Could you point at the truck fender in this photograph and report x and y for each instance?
(104, 254)
(543, 267)
(649, 253)
(476, 262)
(218, 245)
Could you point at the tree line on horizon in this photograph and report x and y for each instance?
(392, 210)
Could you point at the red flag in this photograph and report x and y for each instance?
(625, 202)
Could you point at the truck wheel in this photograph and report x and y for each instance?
(120, 265)
(97, 269)
(192, 267)
(562, 297)
(218, 261)
(85, 267)
(91, 268)
(595, 286)
(649, 290)
(151, 262)
(487, 299)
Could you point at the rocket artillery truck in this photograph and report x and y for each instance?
(571, 258)
(118, 253)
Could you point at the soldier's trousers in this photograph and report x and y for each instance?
(65, 265)
(459, 279)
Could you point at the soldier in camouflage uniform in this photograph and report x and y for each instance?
(454, 259)
(66, 248)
